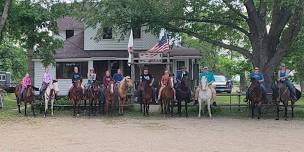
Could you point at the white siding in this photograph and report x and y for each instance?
(64, 84)
(146, 41)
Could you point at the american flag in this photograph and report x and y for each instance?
(162, 45)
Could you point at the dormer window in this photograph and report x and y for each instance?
(69, 33)
(107, 33)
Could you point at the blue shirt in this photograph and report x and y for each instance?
(283, 74)
(257, 76)
(208, 74)
(117, 77)
(76, 76)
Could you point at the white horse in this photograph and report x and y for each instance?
(49, 95)
(205, 95)
(2, 92)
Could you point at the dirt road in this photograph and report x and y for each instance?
(153, 135)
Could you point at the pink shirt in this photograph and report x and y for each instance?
(46, 77)
(26, 81)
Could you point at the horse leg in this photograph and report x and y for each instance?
(285, 111)
(33, 110)
(278, 110)
(148, 106)
(259, 110)
(25, 106)
(144, 108)
(179, 108)
(106, 107)
(52, 107)
(161, 106)
(78, 109)
(85, 106)
(45, 106)
(199, 107)
(186, 108)
(209, 109)
(172, 107)
(252, 109)
(18, 104)
(292, 109)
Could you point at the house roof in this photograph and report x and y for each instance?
(74, 48)
(69, 23)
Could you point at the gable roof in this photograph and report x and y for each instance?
(69, 23)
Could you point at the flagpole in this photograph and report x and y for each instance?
(132, 67)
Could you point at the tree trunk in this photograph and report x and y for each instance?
(302, 85)
(30, 64)
(4, 14)
(243, 82)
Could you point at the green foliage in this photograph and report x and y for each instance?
(13, 59)
(32, 25)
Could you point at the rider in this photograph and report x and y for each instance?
(257, 75)
(144, 78)
(75, 77)
(182, 72)
(283, 77)
(91, 78)
(117, 77)
(107, 79)
(26, 82)
(165, 80)
(46, 78)
(210, 78)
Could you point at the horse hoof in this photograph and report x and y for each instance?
(77, 115)
(258, 117)
(286, 119)
(277, 119)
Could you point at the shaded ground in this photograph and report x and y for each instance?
(121, 134)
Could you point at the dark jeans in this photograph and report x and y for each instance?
(291, 88)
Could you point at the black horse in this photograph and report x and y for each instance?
(183, 93)
(255, 97)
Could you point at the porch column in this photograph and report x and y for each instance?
(90, 64)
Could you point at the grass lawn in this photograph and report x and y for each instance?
(10, 112)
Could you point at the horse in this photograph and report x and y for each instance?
(92, 94)
(204, 96)
(75, 96)
(109, 97)
(255, 97)
(183, 93)
(122, 92)
(146, 96)
(27, 98)
(281, 93)
(50, 95)
(167, 98)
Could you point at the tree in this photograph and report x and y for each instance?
(32, 25)
(263, 31)
(5, 8)
(13, 59)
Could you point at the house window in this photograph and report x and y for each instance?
(2, 77)
(69, 33)
(114, 67)
(65, 69)
(137, 32)
(107, 33)
(180, 64)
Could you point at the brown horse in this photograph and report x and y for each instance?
(146, 96)
(27, 98)
(281, 93)
(122, 92)
(75, 96)
(167, 98)
(255, 97)
(109, 97)
(92, 94)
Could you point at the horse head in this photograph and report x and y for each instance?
(128, 81)
(204, 83)
(55, 86)
(77, 84)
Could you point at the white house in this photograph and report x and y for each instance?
(110, 53)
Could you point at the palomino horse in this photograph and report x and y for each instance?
(281, 93)
(204, 96)
(75, 96)
(27, 98)
(50, 95)
(109, 97)
(92, 94)
(255, 97)
(183, 93)
(122, 92)
(167, 98)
